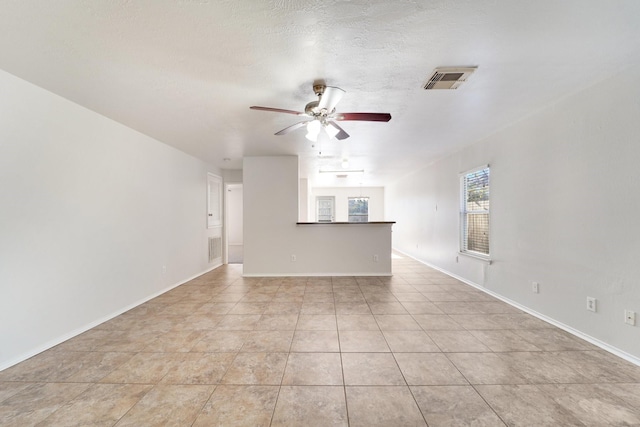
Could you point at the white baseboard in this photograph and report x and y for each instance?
(603, 345)
(58, 340)
(318, 275)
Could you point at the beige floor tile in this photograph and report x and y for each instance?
(277, 322)
(387, 308)
(504, 340)
(56, 365)
(239, 406)
(421, 307)
(249, 308)
(144, 368)
(459, 307)
(543, 368)
(410, 297)
(317, 322)
(8, 389)
(268, 342)
(174, 341)
(313, 369)
(357, 322)
(593, 405)
(315, 341)
(629, 393)
(454, 406)
(198, 368)
(310, 406)
(428, 369)
(352, 308)
(380, 297)
(198, 321)
(526, 405)
(478, 321)
(256, 369)
(35, 402)
(168, 405)
(221, 341)
(291, 307)
(238, 322)
(363, 342)
(382, 406)
(371, 369)
(318, 297)
(99, 405)
(214, 308)
(553, 340)
(410, 342)
(592, 364)
(318, 308)
(436, 322)
(457, 341)
(397, 322)
(486, 368)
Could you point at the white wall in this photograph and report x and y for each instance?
(565, 200)
(342, 194)
(90, 213)
(271, 235)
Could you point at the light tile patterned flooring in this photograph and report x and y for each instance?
(419, 348)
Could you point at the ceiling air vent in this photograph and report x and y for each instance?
(448, 78)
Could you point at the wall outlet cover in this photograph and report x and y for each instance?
(630, 317)
(591, 304)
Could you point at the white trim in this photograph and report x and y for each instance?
(54, 342)
(473, 255)
(603, 345)
(318, 275)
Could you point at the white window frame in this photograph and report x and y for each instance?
(463, 216)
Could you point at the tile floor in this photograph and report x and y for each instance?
(419, 348)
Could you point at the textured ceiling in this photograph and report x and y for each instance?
(185, 72)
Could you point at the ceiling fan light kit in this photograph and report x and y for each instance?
(322, 115)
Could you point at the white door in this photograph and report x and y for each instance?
(324, 208)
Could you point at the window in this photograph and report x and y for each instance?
(474, 212)
(358, 209)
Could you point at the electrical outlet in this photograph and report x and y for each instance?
(630, 317)
(535, 287)
(375, 258)
(293, 258)
(164, 269)
(592, 304)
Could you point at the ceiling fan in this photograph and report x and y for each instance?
(322, 114)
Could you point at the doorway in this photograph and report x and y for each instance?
(325, 206)
(235, 245)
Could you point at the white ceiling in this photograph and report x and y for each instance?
(185, 72)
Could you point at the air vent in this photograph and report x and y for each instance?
(448, 78)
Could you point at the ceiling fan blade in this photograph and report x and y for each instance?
(292, 128)
(277, 110)
(340, 135)
(330, 98)
(367, 117)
